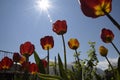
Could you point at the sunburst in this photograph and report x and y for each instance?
(43, 5)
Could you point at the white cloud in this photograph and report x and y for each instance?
(104, 64)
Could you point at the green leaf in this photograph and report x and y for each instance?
(48, 77)
(63, 72)
(39, 63)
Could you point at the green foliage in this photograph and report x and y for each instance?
(89, 69)
(39, 63)
(48, 77)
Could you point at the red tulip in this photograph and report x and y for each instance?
(6, 63)
(47, 42)
(96, 8)
(27, 49)
(44, 63)
(25, 66)
(33, 68)
(16, 57)
(73, 43)
(107, 35)
(0, 66)
(60, 27)
(22, 59)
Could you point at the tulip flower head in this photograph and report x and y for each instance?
(96, 8)
(47, 42)
(16, 57)
(0, 66)
(33, 68)
(60, 27)
(27, 49)
(44, 63)
(73, 43)
(107, 35)
(25, 66)
(6, 63)
(22, 59)
(103, 51)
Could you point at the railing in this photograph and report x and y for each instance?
(5, 53)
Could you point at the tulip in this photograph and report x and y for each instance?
(22, 59)
(60, 28)
(6, 63)
(44, 63)
(107, 35)
(33, 68)
(0, 66)
(73, 43)
(97, 8)
(103, 51)
(25, 66)
(16, 57)
(47, 43)
(27, 49)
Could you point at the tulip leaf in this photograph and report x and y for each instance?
(48, 77)
(63, 72)
(39, 63)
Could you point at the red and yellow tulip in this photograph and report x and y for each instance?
(73, 43)
(103, 51)
(6, 63)
(96, 8)
(47, 42)
(60, 27)
(107, 35)
(27, 49)
(45, 63)
(33, 68)
(16, 57)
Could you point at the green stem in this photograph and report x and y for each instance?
(109, 63)
(115, 48)
(65, 61)
(111, 67)
(112, 20)
(78, 60)
(26, 74)
(55, 66)
(48, 61)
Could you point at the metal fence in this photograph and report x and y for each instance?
(5, 53)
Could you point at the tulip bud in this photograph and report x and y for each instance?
(103, 51)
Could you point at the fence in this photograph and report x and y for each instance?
(5, 53)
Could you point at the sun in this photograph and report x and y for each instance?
(43, 4)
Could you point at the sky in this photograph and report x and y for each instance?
(22, 20)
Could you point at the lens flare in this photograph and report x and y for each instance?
(43, 4)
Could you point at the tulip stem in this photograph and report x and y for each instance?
(111, 67)
(48, 61)
(65, 61)
(26, 75)
(112, 20)
(109, 63)
(55, 69)
(115, 48)
(77, 57)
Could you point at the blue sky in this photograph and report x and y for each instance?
(21, 21)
